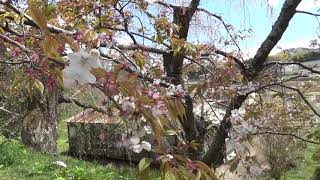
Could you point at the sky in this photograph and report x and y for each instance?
(259, 15)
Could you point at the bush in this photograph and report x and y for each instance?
(316, 174)
(282, 153)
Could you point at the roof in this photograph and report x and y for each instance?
(91, 116)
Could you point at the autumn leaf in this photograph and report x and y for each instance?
(38, 16)
(50, 47)
(207, 169)
(98, 72)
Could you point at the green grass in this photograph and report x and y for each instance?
(19, 162)
(62, 141)
(307, 167)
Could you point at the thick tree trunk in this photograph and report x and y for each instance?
(173, 65)
(39, 130)
(216, 152)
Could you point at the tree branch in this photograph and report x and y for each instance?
(308, 13)
(63, 99)
(287, 12)
(15, 43)
(286, 134)
(302, 97)
(294, 63)
(29, 21)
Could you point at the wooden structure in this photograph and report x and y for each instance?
(95, 134)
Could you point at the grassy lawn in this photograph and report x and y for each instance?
(17, 162)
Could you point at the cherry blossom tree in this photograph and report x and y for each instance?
(137, 53)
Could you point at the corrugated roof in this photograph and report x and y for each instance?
(91, 116)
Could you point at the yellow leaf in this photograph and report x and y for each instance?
(17, 83)
(180, 108)
(192, 87)
(144, 164)
(180, 157)
(38, 86)
(140, 59)
(51, 46)
(169, 176)
(90, 36)
(59, 76)
(144, 169)
(98, 72)
(38, 16)
(170, 132)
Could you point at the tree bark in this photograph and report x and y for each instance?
(216, 152)
(39, 130)
(173, 65)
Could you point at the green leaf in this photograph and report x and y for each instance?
(159, 39)
(38, 85)
(316, 155)
(170, 132)
(144, 164)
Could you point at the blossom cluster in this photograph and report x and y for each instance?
(132, 139)
(79, 70)
(241, 129)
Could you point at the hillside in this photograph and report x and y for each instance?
(296, 54)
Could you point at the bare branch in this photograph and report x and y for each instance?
(302, 97)
(224, 25)
(141, 47)
(9, 112)
(64, 99)
(15, 63)
(15, 43)
(286, 134)
(294, 63)
(309, 13)
(30, 21)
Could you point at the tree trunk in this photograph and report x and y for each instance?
(39, 130)
(216, 153)
(173, 66)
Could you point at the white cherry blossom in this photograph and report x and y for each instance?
(78, 71)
